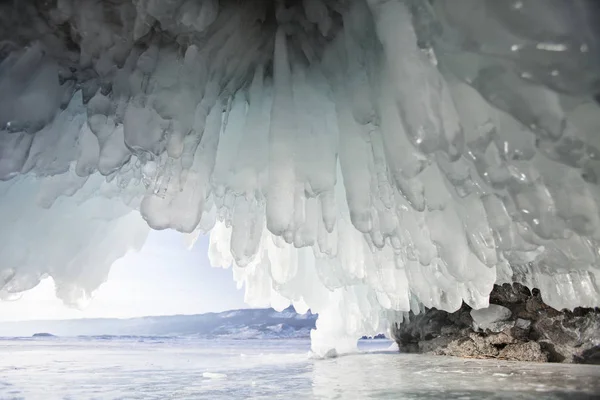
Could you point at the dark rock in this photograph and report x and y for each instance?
(589, 356)
(534, 331)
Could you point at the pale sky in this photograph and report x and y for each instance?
(164, 278)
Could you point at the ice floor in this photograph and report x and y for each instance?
(162, 369)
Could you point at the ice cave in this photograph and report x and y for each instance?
(366, 159)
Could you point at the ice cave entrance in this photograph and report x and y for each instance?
(361, 158)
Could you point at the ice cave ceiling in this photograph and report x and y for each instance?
(362, 158)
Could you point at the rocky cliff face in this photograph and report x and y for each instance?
(518, 326)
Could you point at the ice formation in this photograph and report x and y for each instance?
(488, 318)
(362, 158)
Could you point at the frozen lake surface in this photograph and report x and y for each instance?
(158, 368)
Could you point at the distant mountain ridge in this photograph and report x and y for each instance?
(242, 324)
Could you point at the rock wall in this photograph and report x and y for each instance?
(517, 326)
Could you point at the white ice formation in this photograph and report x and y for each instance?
(362, 158)
(490, 317)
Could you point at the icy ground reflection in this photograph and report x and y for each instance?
(159, 368)
(407, 376)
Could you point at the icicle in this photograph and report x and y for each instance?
(280, 195)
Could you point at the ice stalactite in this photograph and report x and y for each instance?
(362, 158)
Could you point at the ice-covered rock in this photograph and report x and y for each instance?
(492, 317)
(363, 158)
(522, 323)
(518, 326)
